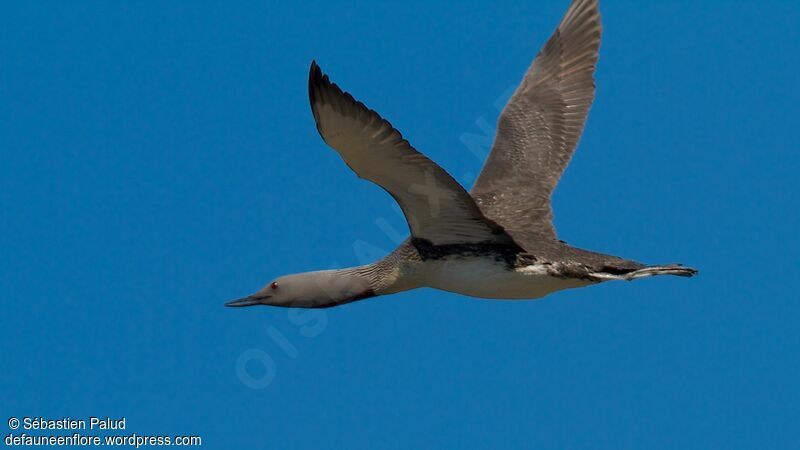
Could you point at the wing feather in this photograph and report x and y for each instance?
(539, 129)
(436, 207)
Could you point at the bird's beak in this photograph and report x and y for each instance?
(247, 301)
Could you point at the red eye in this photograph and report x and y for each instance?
(274, 285)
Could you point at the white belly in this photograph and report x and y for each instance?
(486, 278)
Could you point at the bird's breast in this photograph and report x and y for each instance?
(488, 277)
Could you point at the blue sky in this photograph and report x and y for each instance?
(159, 159)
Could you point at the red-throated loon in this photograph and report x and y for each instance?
(497, 241)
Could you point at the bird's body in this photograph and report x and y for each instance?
(498, 240)
(501, 273)
(488, 277)
(488, 272)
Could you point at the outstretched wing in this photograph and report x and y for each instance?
(436, 207)
(540, 127)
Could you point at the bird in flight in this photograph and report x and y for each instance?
(497, 241)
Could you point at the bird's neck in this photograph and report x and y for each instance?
(379, 278)
(355, 283)
(338, 286)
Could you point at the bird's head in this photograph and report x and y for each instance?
(310, 290)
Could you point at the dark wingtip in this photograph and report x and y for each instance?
(314, 79)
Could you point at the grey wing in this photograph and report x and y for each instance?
(436, 207)
(539, 129)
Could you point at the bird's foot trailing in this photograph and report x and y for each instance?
(651, 271)
(672, 269)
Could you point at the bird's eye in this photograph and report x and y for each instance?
(274, 285)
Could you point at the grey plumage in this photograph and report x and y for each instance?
(436, 207)
(539, 129)
(497, 241)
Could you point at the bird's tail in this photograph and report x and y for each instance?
(651, 271)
